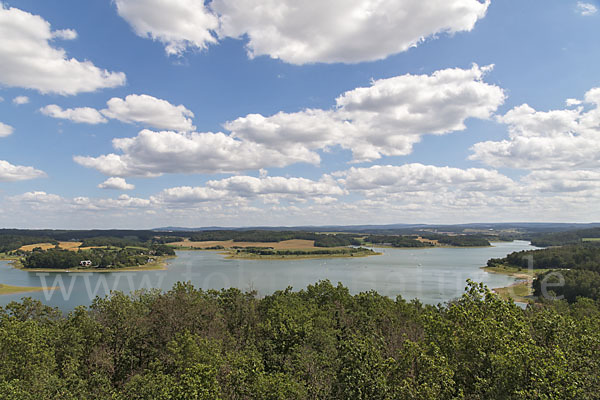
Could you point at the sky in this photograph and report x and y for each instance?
(148, 113)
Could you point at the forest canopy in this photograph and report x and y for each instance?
(320, 342)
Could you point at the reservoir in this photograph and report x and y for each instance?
(433, 275)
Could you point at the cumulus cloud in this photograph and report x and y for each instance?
(41, 200)
(386, 118)
(11, 173)
(377, 194)
(86, 115)
(21, 100)
(30, 61)
(149, 111)
(37, 197)
(5, 130)
(586, 9)
(342, 30)
(347, 31)
(153, 153)
(381, 179)
(556, 139)
(143, 109)
(563, 181)
(116, 184)
(178, 24)
(267, 189)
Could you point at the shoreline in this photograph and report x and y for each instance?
(250, 256)
(520, 291)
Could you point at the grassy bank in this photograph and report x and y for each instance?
(521, 291)
(8, 289)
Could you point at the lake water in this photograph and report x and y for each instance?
(433, 275)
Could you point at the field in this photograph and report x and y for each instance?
(74, 246)
(295, 244)
(590, 240)
(423, 240)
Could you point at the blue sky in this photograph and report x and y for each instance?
(336, 112)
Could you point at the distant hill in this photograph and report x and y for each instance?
(524, 227)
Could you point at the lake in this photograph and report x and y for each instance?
(434, 275)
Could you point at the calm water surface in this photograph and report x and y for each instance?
(433, 275)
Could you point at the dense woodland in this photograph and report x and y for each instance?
(396, 241)
(318, 343)
(585, 256)
(100, 257)
(564, 238)
(262, 251)
(458, 240)
(574, 270)
(321, 239)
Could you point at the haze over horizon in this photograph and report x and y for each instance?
(146, 113)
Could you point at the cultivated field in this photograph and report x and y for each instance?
(423, 240)
(74, 246)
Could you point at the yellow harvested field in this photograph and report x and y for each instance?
(45, 246)
(423, 240)
(283, 245)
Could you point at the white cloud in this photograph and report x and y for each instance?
(178, 24)
(538, 140)
(347, 31)
(65, 34)
(84, 115)
(40, 200)
(248, 186)
(342, 30)
(37, 197)
(563, 181)
(407, 178)
(5, 130)
(386, 118)
(153, 153)
(116, 184)
(30, 61)
(21, 100)
(11, 173)
(150, 111)
(586, 9)
(188, 194)
(379, 194)
(242, 188)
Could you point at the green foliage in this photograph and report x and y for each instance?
(321, 239)
(565, 238)
(583, 256)
(13, 242)
(271, 252)
(459, 240)
(396, 241)
(570, 284)
(100, 257)
(317, 343)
